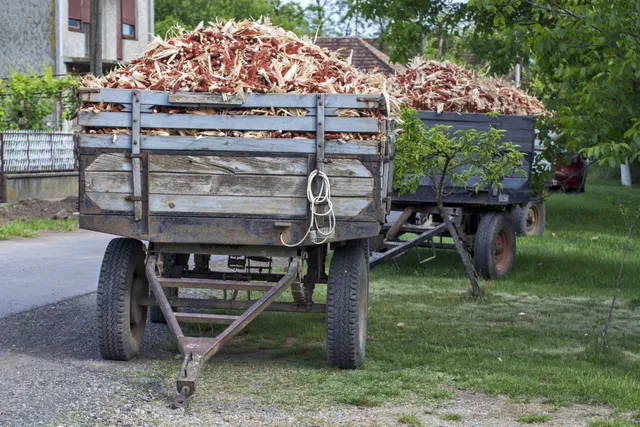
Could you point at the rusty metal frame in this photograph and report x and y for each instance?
(196, 351)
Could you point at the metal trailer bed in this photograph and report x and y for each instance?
(488, 219)
(237, 196)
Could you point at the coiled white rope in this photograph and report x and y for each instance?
(323, 196)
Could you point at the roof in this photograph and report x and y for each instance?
(364, 56)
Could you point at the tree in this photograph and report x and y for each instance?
(631, 219)
(188, 13)
(589, 54)
(449, 160)
(27, 100)
(410, 21)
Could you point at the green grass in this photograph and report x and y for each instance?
(534, 419)
(563, 282)
(31, 228)
(451, 417)
(410, 420)
(612, 423)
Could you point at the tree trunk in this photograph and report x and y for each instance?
(476, 290)
(440, 47)
(625, 173)
(603, 336)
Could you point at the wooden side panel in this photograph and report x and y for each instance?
(229, 165)
(221, 122)
(243, 145)
(287, 206)
(225, 185)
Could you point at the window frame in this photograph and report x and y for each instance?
(77, 29)
(126, 36)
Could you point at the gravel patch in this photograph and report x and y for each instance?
(51, 373)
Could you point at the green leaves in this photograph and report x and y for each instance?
(587, 57)
(450, 159)
(28, 99)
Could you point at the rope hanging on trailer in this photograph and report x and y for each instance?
(323, 196)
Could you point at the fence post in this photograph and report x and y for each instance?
(3, 187)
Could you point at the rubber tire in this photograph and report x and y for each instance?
(155, 314)
(484, 259)
(519, 219)
(123, 263)
(347, 298)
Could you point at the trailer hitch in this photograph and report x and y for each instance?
(187, 377)
(197, 351)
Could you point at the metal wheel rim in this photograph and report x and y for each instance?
(502, 250)
(532, 219)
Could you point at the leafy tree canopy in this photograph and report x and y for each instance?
(188, 13)
(588, 54)
(408, 22)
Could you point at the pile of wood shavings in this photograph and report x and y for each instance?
(443, 86)
(239, 57)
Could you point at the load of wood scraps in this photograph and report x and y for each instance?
(443, 86)
(239, 57)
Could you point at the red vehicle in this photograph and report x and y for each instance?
(570, 176)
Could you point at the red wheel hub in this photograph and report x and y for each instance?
(502, 251)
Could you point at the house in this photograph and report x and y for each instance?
(364, 55)
(57, 32)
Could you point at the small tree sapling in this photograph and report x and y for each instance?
(469, 158)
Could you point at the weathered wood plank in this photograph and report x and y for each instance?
(228, 122)
(227, 204)
(110, 162)
(114, 162)
(225, 185)
(290, 100)
(271, 145)
(253, 165)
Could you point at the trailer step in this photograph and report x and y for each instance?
(216, 319)
(229, 285)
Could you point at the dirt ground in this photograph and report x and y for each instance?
(51, 373)
(35, 209)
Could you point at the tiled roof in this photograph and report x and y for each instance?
(363, 55)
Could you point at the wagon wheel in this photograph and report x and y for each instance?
(495, 245)
(173, 266)
(347, 297)
(529, 220)
(122, 284)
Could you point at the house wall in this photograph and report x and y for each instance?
(73, 42)
(27, 39)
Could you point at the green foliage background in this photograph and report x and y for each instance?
(27, 99)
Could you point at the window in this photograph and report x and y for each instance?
(79, 14)
(75, 24)
(128, 30)
(128, 18)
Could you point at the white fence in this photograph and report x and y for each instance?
(33, 151)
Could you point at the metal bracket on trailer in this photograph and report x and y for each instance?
(135, 157)
(196, 351)
(402, 247)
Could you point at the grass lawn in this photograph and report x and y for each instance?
(533, 336)
(31, 228)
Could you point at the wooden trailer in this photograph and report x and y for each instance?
(249, 198)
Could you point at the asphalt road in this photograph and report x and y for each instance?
(50, 268)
